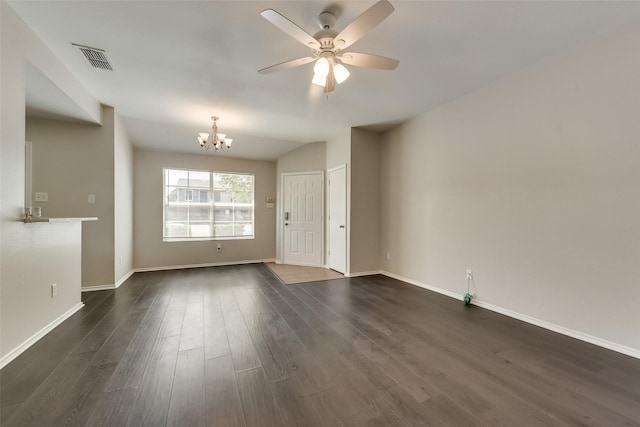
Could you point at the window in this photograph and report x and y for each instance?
(200, 205)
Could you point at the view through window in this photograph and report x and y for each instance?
(208, 205)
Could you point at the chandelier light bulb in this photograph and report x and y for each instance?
(341, 73)
(321, 69)
(320, 81)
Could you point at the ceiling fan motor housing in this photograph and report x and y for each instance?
(327, 20)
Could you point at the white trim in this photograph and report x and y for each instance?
(107, 287)
(362, 273)
(7, 358)
(209, 264)
(422, 285)
(347, 238)
(97, 288)
(124, 278)
(562, 330)
(28, 173)
(629, 351)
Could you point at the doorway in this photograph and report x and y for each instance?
(303, 222)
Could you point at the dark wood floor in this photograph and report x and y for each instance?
(233, 346)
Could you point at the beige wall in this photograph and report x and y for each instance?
(533, 183)
(365, 201)
(308, 158)
(339, 150)
(32, 256)
(71, 161)
(149, 251)
(123, 201)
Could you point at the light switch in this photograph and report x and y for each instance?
(42, 197)
(92, 198)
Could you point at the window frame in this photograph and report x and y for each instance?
(211, 203)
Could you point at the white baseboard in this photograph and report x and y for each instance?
(362, 273)
(210, 264)
(107, 287)
(629, 351)
(97, 288)
(124, 278)
(7, 358)
(422, 285)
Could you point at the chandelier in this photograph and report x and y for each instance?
(218, 141)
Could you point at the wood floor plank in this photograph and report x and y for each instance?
(76, 404)
(187, 405)
(448, 413)
(192, 335)
(35, 409)
(243, 352)
(173, 320)
(216, 343)
(296, 410)
(258, 399)
(131, 368)
(336, 407)
(222, 397)
(8, 411)
(112, 408)
(154, 393)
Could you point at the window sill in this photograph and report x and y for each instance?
(203, 239)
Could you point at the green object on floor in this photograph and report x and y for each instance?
(467, 299)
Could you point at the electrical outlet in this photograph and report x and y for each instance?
(219, 248)
(91, 198)
(42, 197)
(120, 259)
(469, 273)
(54, 290)
(388, 255)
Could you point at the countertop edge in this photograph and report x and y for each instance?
(54, 220)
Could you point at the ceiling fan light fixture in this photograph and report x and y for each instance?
(320, 81)
(321, 69)
(341, 73)
(328, 46)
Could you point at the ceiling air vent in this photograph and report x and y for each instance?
(96, 57)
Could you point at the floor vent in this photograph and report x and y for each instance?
(96, 57)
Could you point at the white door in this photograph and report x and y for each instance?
(303, 223)
(338, 219)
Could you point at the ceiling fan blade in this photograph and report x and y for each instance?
(287, 64)
(290, 28)
(363, 23)
(369, 61)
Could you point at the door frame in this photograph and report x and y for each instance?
(346, 217)
(280, 216)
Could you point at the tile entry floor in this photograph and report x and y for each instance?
(291, 274)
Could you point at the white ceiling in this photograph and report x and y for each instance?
(179, 62)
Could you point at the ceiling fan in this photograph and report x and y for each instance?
(328, 46)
